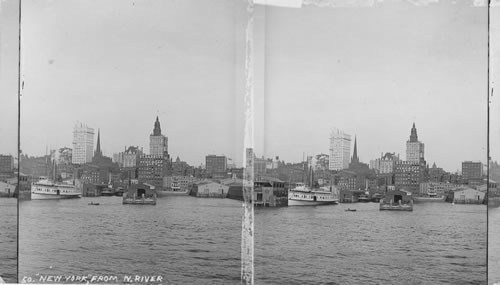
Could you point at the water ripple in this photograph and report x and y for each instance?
(197, 241)
(8, 239)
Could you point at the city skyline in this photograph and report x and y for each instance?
(352, 142)
(199, 111)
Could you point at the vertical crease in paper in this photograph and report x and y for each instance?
(247, 231)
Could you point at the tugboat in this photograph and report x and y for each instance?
(363, 198)
(376, 197)
(119, 192)
(107, 192)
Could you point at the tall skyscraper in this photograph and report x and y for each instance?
(414, 148)
(158, 143)
(6, 163)
(340, 150)
(408, 175)
(216, 164)
(151, 169)
(472, 170)
(83, 144)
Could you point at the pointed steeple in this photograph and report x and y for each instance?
(98, 140)
(413, 135)
(157, 128)
(98, 152)
(355, 158)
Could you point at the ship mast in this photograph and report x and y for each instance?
(46, 162)
(54, 170)
(311, 177)
(53, 161)
(303, 168)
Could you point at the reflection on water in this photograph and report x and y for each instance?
(8, 239)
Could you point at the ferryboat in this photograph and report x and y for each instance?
(302, 195)
(49, 190)
(173, 192)
(430, 197)
(174, 189)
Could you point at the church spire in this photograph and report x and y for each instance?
(98, 152)
(157, 128)
(355, 158)
(413, 135)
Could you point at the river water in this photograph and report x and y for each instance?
(494, 245)
(437, 243)
(194, 240)
(8, 239)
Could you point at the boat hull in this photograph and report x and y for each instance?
(171, 193)
(139, 201)
(38, 196)
(305, 197)
(389, 207)
(429, 199)
(53, 191)
(293, 202)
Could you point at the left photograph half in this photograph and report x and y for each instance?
(9, 174)
(132, 141)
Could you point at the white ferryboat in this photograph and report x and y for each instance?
(302, 195)
(48, 190)
(430, 197)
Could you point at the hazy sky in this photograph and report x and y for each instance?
(116, 65)
(9, 39)
(372, 72)
(495, 83)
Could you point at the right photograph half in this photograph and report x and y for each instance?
(373, 116)
(494, 148)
